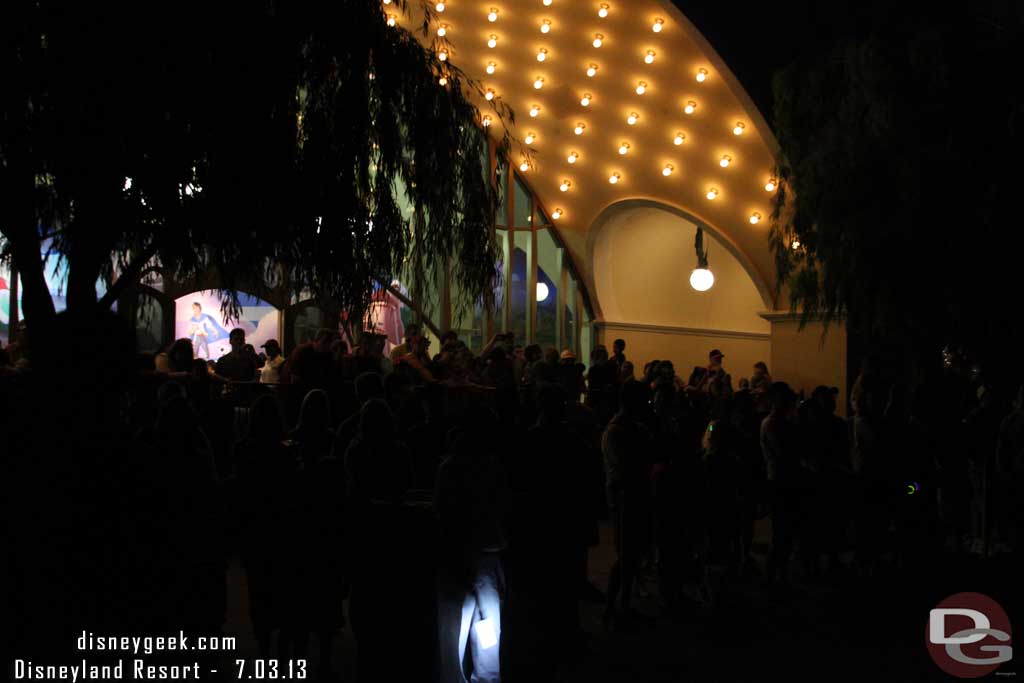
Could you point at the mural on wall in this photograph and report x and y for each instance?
(198, 317)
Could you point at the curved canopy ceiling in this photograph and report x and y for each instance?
(673, 66)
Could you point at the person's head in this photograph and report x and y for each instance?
(627, 371)
(249, 350)
(324, 338)
(449, 339)
(782, 397)
(551, 355)
(532, 353)
(237, 339)
(634, 398)
(412, 331)
(179, 356)
(567, 357)
(369, 386)
(315, 412)
(618, 346)
(420, 345)
(272, 347)
(826, 398)
(744, 384)
(598, 355)
(760, 368)
(715, 358)
(197, 308)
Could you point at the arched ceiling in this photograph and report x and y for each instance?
(679, 54)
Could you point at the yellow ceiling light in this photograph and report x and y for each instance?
(602, 11)
(535, 111)
(487, 120)
(392, 20)
(530, 138)
(598, 40)
(702, 75)
(712, 193)
(489, 94)
(658, 25)
(443, 55)
(442, 81)
(538, 83)
(624, 148)
(387, 2)
(649, 57)
(614, 178)
(585, 100)
(591, 70)
(492, 16)
(492, 41)
(771, 185)
(573, 157)
(525, 166)
(678, 139)
(542, 54)
(632, 118)
(739, 128)
(755, 218)
(547, 3)
(442, 30)
(690, 107)
(725, 161)
(564, 187)
(491, 67)
(641, 87)
(579, 128)
(796, 244)
(439, 7)
(556, 214)
(545, 26)
(667, 171)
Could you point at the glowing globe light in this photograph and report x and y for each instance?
(614, 178)
(542, 54)
(667, 171)
(542, 291)
(525, 166)
(641, 87)
(564, 187)
(690, 107)
(492, 41)
(649, 57)
(538, 83)
(492, 16)
(702, 75)
(770, 185)
(545, 26)
(658, 25)
(530, 137)
(755, 218)
(487, 121)
(491, 67)
(556, 214)
(632, 118)
(678, 139)
(603, 11)
(598, 40)
(712, 193)
(738, 128)
(573, 157)
(392, 20)
(489, 95)
(535, 111)
(443, 55)
(624, 148)
(578, 130)
(439, 7)
(725, 161)
(547, 3)
(591, 70)
(442, 30)
(702, 279)
(585, 100)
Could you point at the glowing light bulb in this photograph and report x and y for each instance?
(487, 121)
(530, 137)
(591, 70)
(535, 111)
(573, 157)
(564, 187)
(489, 95)
(579, 128)
(702, 75)
(641, 88)
(678, 139)
(795, 244)
(491, 67)
(770, 185)
(492, 41)
(649, 57)
(442, 30)
(624, 148)
(556, 214)
(755, 218)
(525, 166)
(632, 118)
(701, 279)
(547, 3)
(545, 26)
(598, 40)
(439, 7)
(667, 171)
(712, 193)
(492, 16)
(658, 25)
(387, 2)
(542, 291)
(442, 81)
(443, 55)
(614, 178)
(585, 100)
(738, 128)
(603, 11)
(690, 107)
(538, 83)
(725, 161)
(392, 20)
(542, 54)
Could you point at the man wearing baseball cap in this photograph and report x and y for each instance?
(270, 373)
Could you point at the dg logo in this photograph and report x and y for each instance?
(968, 635)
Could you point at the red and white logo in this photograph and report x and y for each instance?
(968, 635)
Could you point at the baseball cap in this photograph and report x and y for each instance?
(270, 343)
(716, 352)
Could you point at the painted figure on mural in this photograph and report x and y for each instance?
(202, 329)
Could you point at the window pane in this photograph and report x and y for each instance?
(523, 206)
(549, 279)
(499, 291)
(502, 180)
(6, 305)
(569, 329)
(149, 324)
(586, 338)
(520, 278)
